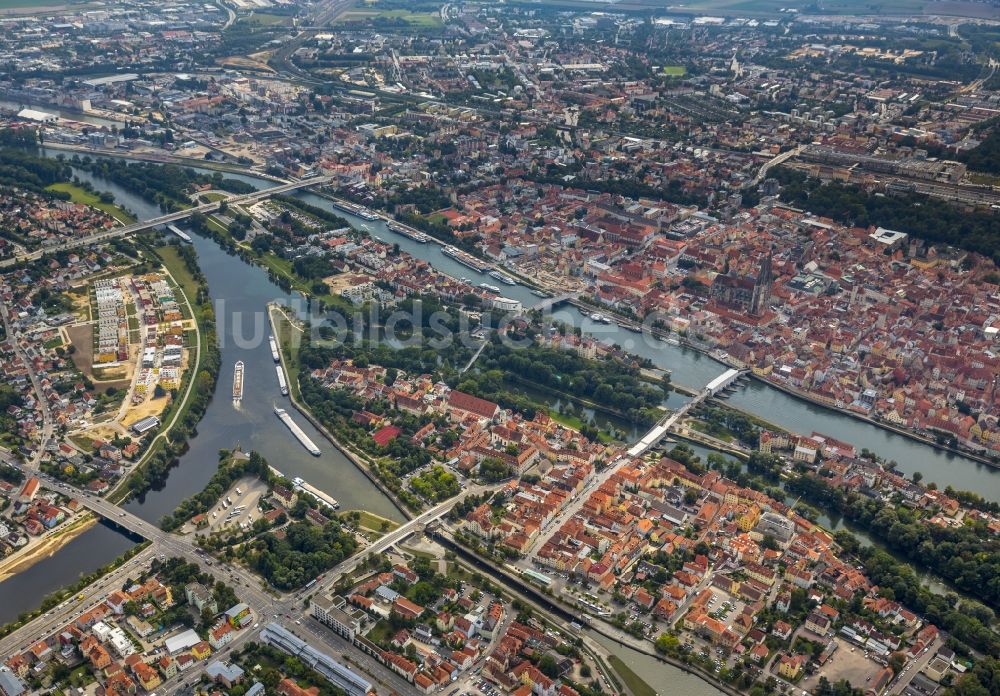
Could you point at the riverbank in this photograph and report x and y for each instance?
(172, 268)
(533, 283)
(293, 396)
(78, 194)
(803, 396)
(45, 546)
(586, 306)
(160, 159)
(93, 583)
(905, 432)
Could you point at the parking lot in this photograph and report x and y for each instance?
(237, 508)
(844, 664)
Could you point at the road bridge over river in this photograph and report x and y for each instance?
(549, 303)
(212, 207)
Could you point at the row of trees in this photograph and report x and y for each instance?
(27, 170)
(168, 185)
(930, 219)
(969, 557)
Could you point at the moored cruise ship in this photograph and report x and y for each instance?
(466, 259)
(415, 235)
(503, 278)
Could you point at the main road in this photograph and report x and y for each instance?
(36, 385)
(265, 602)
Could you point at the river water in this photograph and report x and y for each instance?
(694, 369)
(94, 548)
(240, 292)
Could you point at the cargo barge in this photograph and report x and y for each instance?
(282, 384)
(297, 431)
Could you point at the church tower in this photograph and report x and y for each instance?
(762, 287)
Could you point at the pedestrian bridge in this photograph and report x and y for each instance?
(660, 430)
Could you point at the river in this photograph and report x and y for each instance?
(240, 292)
(694, 369)
(94, 548)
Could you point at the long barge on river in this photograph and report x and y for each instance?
(282, 383)
(297, 431)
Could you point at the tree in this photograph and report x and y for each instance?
(547, 666)
(896, 662)
(668, 644)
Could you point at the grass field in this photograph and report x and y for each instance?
(263, 19)
(374, 522)
(633, 681)
(859, 7)
(177, 268)
(427, 20)
(17, 4)
(674, 70)
(84, 197)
